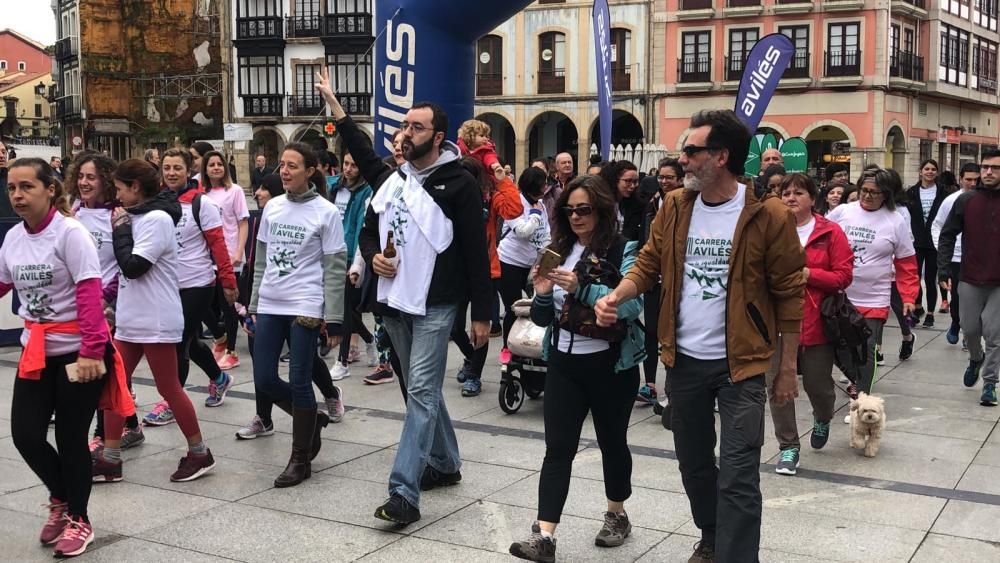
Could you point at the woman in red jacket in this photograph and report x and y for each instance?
(829, 270)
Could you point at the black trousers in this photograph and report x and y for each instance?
(513, 285)
(353, 324)
(927, 266)
(195, 301)
(577, 384)
(65, 469)
(651, 316)
(475, 358)
(725, 499)
(896, 304)
(955, 268)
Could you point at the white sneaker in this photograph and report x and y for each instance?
(372, 354)
(843, 379)
(339, 371)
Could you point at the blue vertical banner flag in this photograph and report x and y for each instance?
(602, 50)
(765, 64)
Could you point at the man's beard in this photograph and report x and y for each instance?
(698, 181)
(418, 151)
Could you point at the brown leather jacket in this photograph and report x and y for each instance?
(766, 283)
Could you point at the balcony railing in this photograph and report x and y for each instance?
(68, 106)
(843, 63)
(304, 26)
(694, 68)
(918, 3)
(906, 65)
(552, 81)
(697, 4)
(986, 84)
(798, 67)
(263, 105)
(621, 78)
(742, 3)
(358, 103)
(265, 27)
(67, 47)
(489, 84)
(339, 25)
(735, 66)
(305, 105)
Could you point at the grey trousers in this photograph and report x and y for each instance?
(816, 367)
(980, 311)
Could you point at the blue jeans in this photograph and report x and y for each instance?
(428, 436)
(269, 337)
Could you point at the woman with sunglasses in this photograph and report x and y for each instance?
(881, 240)
(623, 177)
(596, 372)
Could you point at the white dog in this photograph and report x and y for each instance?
(867, 423)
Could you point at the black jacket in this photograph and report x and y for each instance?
(132, 265)
(922, 229)
(976, 217)
(462, 271)
(257, 177)
(6, 209)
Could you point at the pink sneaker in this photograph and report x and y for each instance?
(56, 523)
(75, 537)
(96, 444)
(353, 355)
(506, 356)
(219, 349)
(229, 361)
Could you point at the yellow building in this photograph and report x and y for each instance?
(25, 112)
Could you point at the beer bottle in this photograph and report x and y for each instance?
(389, 252)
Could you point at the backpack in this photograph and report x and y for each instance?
(846, 329)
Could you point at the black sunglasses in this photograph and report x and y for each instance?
(691, 150)
(581, 210)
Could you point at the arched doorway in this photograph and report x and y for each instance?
(895, 149)
(502, 133)
(625, 129)
(827, 144)
(268, 142)
(314, 139)
(550, 134)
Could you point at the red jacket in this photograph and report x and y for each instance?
(215, 239)
(505, 203)
(831, 269)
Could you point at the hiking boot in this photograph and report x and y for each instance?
(56, 522)
(193, 466)
(821, 433)
(906, 348)
(132, 437)
(254, 429)
(75, 538)
(646, 396)
(616, 528)
(788, 464)
(398, 510)
(972, 373)
(104, 471)
(433, 478)
(161, 415)
(335, 406)
(929, 321)
(703, 553)
(381, 374)
(472, 387)
(536, 548)
(989, 396)
(217, 391)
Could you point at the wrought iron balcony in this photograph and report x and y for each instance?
(67, 47)
(305, 105)
(843, 62)
(489, 84)
(68, 106)
(265, 27)
(358, 103)
(694, 68)
(906, 65)
(262, 105)
(798, 67)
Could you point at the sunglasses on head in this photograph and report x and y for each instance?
(580, 210)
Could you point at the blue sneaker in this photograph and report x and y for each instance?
(646, 396)
(952, 335)
(463, 373)
(472, 387)
(989, 396)
(972, 373)
(161, 415)
(217, 391)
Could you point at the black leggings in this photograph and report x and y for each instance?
(65, 469)
(196, 301)
(896, 304)
(513, 284)
(651, 316)
(955, 268)
(476, 358)
(927, 264)
(575, 385)
(353, 324)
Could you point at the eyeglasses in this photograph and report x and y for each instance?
(691, 150)
(417, 127)
(666, 178)
(990, 167)
(630, 181)
(871, 193)
(580, 210)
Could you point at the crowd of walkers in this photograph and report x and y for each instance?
(721, 278)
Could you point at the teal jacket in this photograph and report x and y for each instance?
(633, 348)
(354, 217)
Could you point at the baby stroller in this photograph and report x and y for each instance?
(524, 373)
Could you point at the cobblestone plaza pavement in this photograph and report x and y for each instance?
(931, 494)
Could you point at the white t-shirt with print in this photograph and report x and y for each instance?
(580, 344)
(297, 236)
(877, 239)
(521, 252)
(98, 222)
(233, 208)
(45, 269)
(927, 196)
(940, 220)
(195, 267)
(149, 307)
(341, 199)
(701, 319)
(806, 231)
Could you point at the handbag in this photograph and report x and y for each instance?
(580, 318)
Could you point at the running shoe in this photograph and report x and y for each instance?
(929, 321)
(230, 360)
(161, 415)
(432, 478)
(646, 396)
(324, 349)
(56, 522)
(879, 358)
(536, 548)
(371, 354)
(104, 471)
(472, 387)
(906, 348)
(918, 312)
(820, 434)
(703, 553)
(285, 358)
(944, 307)
(952, 335)
(132, 437)
(972, 373)
(989, 396)
(464, 372)
(614, 531)
(852, 390)
(75, 538)
(219, 348)
(217, 391)
(193, 466)
(335, 406)
(381, 374)
(788, 464)
(339, 371)
(398, 510)
(353, 355)
(96, 444)
(254, 429)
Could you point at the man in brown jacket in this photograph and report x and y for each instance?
(732, 281)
